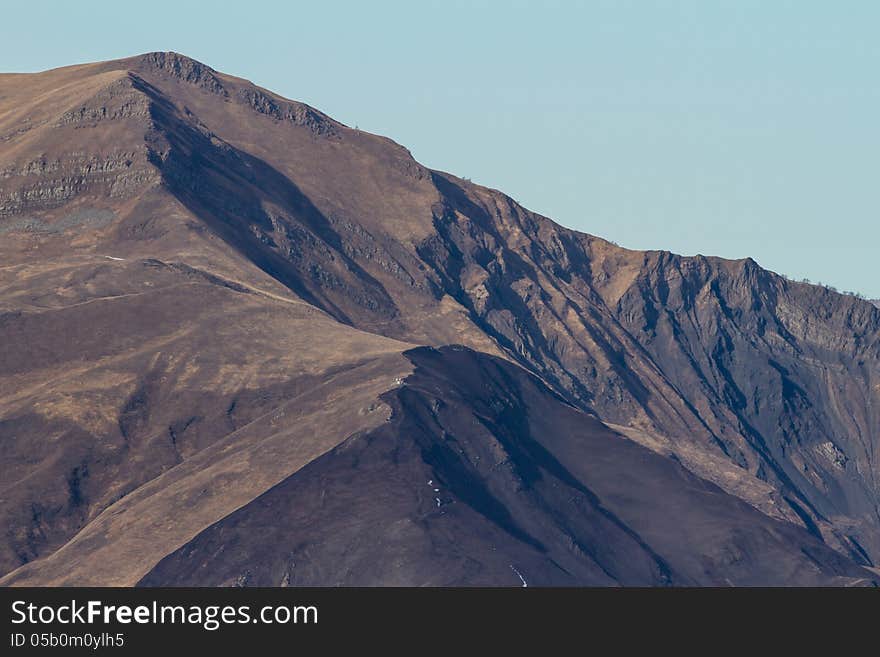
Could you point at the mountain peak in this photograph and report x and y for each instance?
(181, 67)
(170, 58)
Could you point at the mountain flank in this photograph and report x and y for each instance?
(223, 311)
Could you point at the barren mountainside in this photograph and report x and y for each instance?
(226, 329)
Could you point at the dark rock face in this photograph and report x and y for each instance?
(147, 189)
(483, 476)
(792, 369)
(183, 68)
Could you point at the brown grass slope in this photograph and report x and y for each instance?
(182, 252)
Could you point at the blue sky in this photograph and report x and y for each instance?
(745, 128)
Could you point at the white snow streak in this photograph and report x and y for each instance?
(521, 578)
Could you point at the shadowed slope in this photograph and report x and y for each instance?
(483, 476)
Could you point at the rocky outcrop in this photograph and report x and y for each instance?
(182, 68)
(116, 177)
(295, 113)
(120, 100)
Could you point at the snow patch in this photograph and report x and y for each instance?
(521, 578)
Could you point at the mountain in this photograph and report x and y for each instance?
(243, 343)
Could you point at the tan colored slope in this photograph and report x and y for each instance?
(130, 537)
(31, 101)
(299, 382)
(152, 382)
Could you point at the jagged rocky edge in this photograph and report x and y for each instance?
(259, 100)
